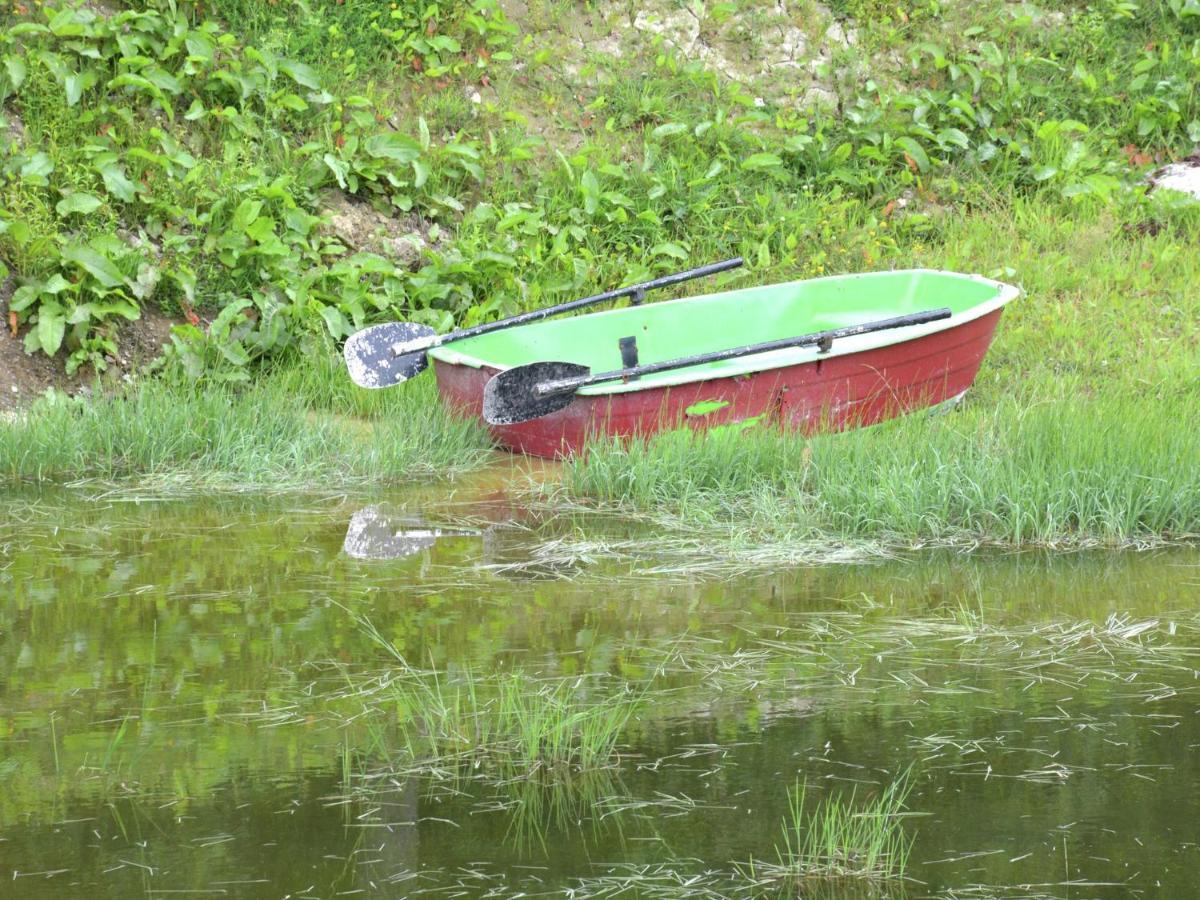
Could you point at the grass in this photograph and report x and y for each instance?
(1066, 473)
(550, 168)
(840, 839)
(514, 724)
(1069, 437)
(509, 725)
(297, 426)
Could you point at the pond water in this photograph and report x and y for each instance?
(188, 704)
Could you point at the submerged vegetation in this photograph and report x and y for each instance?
(511, 725)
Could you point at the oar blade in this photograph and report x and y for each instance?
(512, 396)
(369, 358)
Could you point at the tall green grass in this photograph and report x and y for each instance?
(840, 840)
(515, 725)
(1072, 472)
(512, 725)
(301, 424)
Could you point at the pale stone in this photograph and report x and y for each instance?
(1181, 176)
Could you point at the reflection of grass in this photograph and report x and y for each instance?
(1071, 472)
(538, 807)
(840, 839)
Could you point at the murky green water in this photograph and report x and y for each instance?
(181, 705)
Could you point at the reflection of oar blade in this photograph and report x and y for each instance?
(370, 360)
(541, 388)
(373, 535)
(512, 395)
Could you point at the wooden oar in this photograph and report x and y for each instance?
(541, 388)
(388, 354)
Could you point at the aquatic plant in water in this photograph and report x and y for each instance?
(506, 725)
(840, 839)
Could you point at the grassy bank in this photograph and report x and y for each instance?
(275, 176)
(1073, 434)
(255, 162)
(1067, 473)
(298, 426)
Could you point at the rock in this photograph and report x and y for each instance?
(836, 34)
(609, 45)
(763, 46)
(361, 227)
(680, 27)
(100, 9)
(819, 98)
(1044, 18)
(1182, 176)
(792, 45)
(409, 250)
(14, 128)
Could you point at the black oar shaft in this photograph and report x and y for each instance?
(570, 385)
(538, 314)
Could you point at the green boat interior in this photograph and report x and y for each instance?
(694, 325)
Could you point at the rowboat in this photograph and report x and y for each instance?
(853, 381)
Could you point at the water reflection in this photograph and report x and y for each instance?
(180, 690)
(375, 532)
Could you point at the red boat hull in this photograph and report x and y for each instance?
(830, 394)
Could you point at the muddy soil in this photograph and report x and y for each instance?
(24, 377)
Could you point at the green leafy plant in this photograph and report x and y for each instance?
(72, 306)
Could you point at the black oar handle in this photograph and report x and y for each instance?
(634, 290)
(822, 338)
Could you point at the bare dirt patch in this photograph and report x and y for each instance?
(26, 376)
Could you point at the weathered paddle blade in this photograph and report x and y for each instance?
(373, 534)
(512, 396)
(369, 358)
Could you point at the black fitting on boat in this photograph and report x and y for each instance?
(629, 353)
